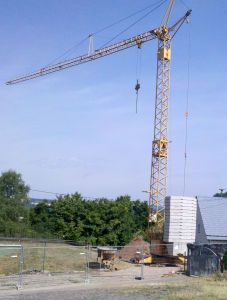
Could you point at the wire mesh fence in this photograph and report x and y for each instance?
(45, 264)
(9, 265)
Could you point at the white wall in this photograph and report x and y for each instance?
(180, 223)
(177, 248)
(184, 224)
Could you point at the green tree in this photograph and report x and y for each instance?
(220, 195)
(140, 214)
(14, 218)
(41, 219)
(68, 214)
(12, 186)
(99, 222)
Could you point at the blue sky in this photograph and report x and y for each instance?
(77, 130)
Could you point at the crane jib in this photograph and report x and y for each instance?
(137, 40)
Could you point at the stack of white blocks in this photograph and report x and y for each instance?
(180, 223)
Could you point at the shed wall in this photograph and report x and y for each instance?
(217, 241)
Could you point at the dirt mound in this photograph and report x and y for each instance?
(133, 251)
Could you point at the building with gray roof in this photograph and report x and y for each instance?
(194, 220)
(211, 220)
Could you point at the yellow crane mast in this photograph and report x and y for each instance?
(159, 163)
(164, 34)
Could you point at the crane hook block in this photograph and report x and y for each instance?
(137, 87)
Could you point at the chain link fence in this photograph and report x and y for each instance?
(45, 264)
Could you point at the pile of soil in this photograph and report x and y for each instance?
(133, 251)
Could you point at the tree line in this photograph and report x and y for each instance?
(70, 217)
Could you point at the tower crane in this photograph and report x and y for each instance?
(164, 34)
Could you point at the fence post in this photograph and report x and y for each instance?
(142, 265)
(20, 281)
(87, 264)
(44, 255)
(184, 261)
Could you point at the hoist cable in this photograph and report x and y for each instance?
(187, 107)
(138, 62)
(138, 73)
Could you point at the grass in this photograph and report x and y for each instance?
(202, 289)
(59, 258)
(210, 288)
(6, 251)
(9, 264)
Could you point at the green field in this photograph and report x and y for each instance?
(58, 258)
(210, 288)
(4, 251)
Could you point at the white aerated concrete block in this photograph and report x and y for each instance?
(180, 223)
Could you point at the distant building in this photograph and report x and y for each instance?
(194, 220)
(34, 201)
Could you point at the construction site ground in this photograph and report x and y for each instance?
(102, 285)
